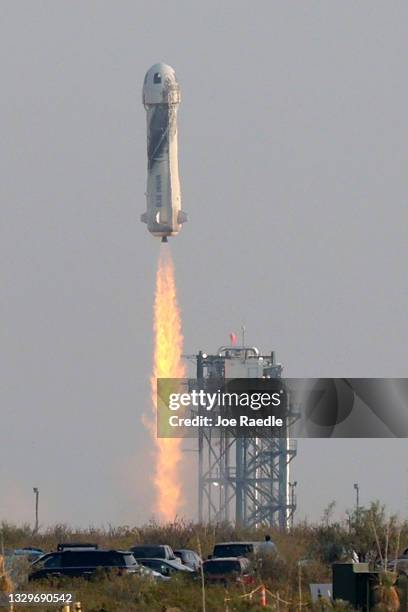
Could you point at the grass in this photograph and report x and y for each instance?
(320, 544)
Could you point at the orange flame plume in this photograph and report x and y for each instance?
(167, 363)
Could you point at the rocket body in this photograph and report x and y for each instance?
(161, 97)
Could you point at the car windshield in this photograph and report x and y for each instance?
(146, 552)
(232, 550)
(52, 560)
(221, 567)
(129, 559)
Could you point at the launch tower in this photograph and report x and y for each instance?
(245, 481)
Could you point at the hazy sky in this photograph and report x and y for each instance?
(293, 160)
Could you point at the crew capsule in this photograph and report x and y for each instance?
(161, 97)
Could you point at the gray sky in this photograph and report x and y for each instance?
(293, 160)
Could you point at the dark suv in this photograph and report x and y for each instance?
(82, 563)
(229, 569)
(237, 549)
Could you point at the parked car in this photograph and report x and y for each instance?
(189, 557)
(154, 551)
(229, 569)
(242, 549)
(82, 563)
(400, 566)
(18, 563)
(29, 553)
(166, 567)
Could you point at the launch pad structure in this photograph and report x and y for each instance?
(244, 481)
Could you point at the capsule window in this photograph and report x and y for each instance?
(157, 78)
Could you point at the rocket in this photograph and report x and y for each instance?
(161, 97)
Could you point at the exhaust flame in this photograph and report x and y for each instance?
(167, 363)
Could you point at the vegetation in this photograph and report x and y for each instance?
(305, 556)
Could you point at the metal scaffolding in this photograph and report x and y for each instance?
(245, 481)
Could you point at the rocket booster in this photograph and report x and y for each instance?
(161, 97)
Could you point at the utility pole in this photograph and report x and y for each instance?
(36, 491)
(357, 490)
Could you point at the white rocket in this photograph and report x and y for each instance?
(161, 97)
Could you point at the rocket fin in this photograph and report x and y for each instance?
(143, 218)
(181, 217)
